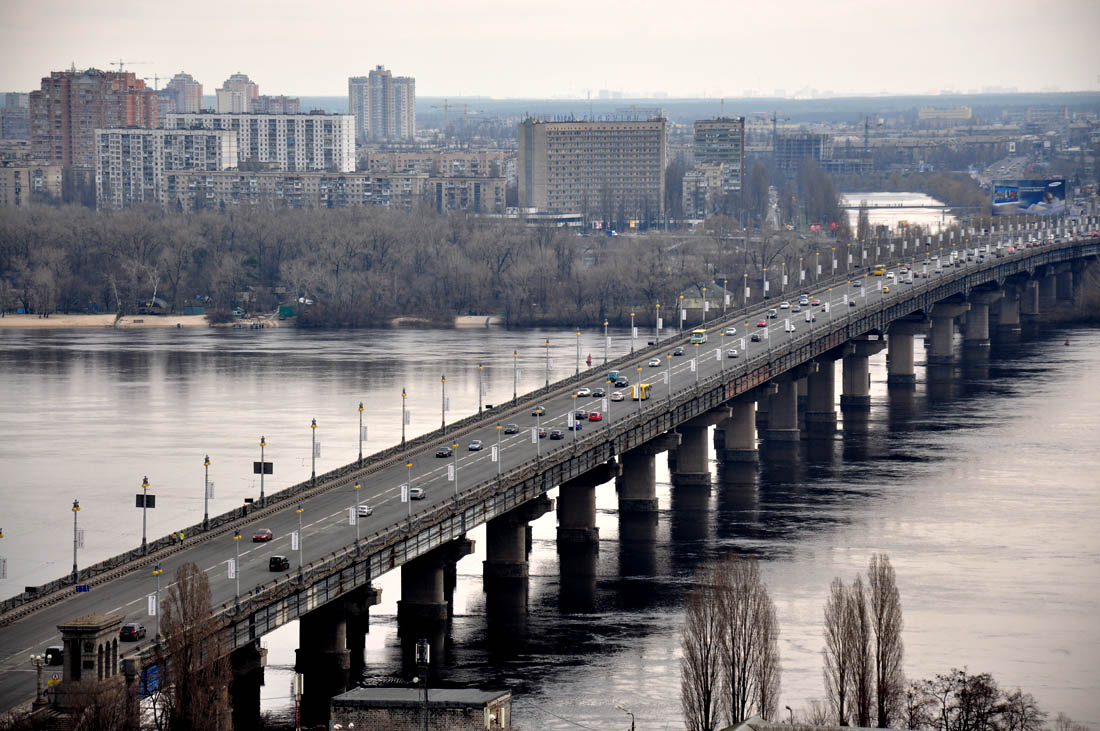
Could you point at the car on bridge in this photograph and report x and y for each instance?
(131, 631)
(580, 414)
(857, 283)
(773, 313)
(815, 303)
(617, 396)
(598, 393)
(755, 337)
(762, 323)
(55, 655)
(851, 303)
(556, 434)
(621, 383)
(364, 511)
(511, 429)
(595, 416)
(886, 290)
(417, 493)
(784, 305)
(731, 331)
(584, 391)
(731, 353)
(444, 451)
(542, 433)
(654, 363)
(262, 535)
(476, 445)
(678, 351)
(278, 563)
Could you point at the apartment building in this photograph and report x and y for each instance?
(236, 95)
(792, 148)
(447, 163)
(702, 190)
(131, 163)
(384, 106)
(21, 183)
(611, 170)
(193, 190)
(72, 105)
(185, 92)
(722, 142)
(286, 142)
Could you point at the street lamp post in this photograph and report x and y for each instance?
(620, 708)
(515, 375)
(206, 492)
(237, 563)
(632, 332)
(301, 536)
(360, 433)
(657, 325)
(704, 308)
(454, 451)
(745, 288)
(578, 372)
(695, 361)
(76, 509)
(680, 316)
(500, 457)
(356, 487)
(313, 448)
(156, 572)
(547, 367)
(576, 422)
(263, 443)
(404, 396)
(480, 391)
(39, 695)
(443, 403)
(605, 339)
(409, 486)
(668, 374)
(144, 505)
(725, 295)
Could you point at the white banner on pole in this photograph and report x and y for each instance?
(316, 449)
(766, 332)
(152, 605)
(784, 280)
(451, 472)
(603, 403)
(363, 433)
(660, 322)
(746, 293)
(706, 305)
(447, 403)
(834, 264)
(534, 435)
(665, 377)
(80, 538)
(742, 343)
(232, 565)
(570, 418)
(801, 275)
(405, 493)
(826, 306)
(718, 354)
(352, 516)
(692, 365)
(408, 417)
(849, 259)
(3, 568)
(845, 300)
(683, 314)
(294, 540)
(634, 332)
(519, 371)
(493, 456)
(607, 341)
(809, 317)
(767, 286)
(727, 299)
(210, 490)
(787, 324)
(819, 270)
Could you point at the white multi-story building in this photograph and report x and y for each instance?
(131, 162)
(286, 142)
(236, 94)
(384, 106)
(186, 92)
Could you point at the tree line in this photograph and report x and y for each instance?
(730, 665)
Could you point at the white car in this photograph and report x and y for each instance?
(617, 396)
(731, 331)
(784, 305)
(889, 275)
(654, 363)
(585, 391)
(365, 511)
(731, 353)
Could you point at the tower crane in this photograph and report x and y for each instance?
(120, 63)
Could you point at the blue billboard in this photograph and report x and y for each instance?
(1045, 197)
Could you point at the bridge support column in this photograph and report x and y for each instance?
(506, 540)
(763, 405)
(1029, 306)
(899, 359)
(783, 411)
(1048, 291)
(323, 658)
(637, 485)
(692, 463)
(247, 663)
(1008, 315)
(577, 506)
(739, 442)
(357, 610)
(943, 332)
(856, 391)
(820, 419)
(976, 331)
(423, 586)
(1064, 286)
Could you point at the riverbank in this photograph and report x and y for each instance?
(56, 321)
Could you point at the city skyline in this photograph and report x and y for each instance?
(570, 49)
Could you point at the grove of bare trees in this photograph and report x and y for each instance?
(730, 670)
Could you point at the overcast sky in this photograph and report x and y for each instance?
(520, 48)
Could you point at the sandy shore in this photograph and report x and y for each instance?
(75, 321)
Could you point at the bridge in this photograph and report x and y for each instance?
(748, 399)
(877, 206)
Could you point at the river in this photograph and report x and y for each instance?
(982, 489)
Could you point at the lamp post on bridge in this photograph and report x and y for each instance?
(263, 443)
(605, 341)
(443, 402)
(480, 390)
(76, 509)
(360, 433)
(632, 333)
(144, 505)
(404, 416)
(237, 563)
(206, 492)
(156, 604)
(313, 470)
(657, 325)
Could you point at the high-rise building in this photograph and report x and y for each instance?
(72, 105)
(264, 104)
(237, 94)
(288, 142)
(130, 163)
(384, 106)
(186, 92)
(722, 142)
(792, 148)
(15, 117)
(611, 170)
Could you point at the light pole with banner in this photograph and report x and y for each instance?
(480, 390)
(76, 536)
(606, 341)
(404, 416)
(633, 332)
(313, 436)
(360, 433)
(578, 371)
(156, 600)
(263, 468)
(356, 487)
(206, 492)
(145, 500)
(443, 403)
(657, 325)
(300, 536)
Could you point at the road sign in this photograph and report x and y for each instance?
(54, 679)
(145, 501)
(83, 588)
(265, 468)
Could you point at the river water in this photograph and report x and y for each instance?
(982, 487)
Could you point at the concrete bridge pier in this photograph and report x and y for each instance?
(247, 664)
(783, 409)
(763, 405)
(855, 393)
(506, 541)
(976, 331)
(1008, 316)
(357, 610)
(1048, 291)
(820, 419)
(323, 658)
(577, 506)
(1029, 307)
(739, 433)
(900, 369)
(942, 348)
(424, 586)
(637, 485)
(692, 463)
(1064, 286)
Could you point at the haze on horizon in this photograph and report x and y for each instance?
(569, 48)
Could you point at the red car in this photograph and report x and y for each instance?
(816, 303)
(263, 535)
(761, 324)
(595, 416)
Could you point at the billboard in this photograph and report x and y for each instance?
(1044, 197)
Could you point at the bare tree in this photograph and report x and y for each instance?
(196, 674)
(816, 713)
(859, 645)
(701, 640)
(1020, 712)
(889, 651)
(838, 659)
(1062, 722)
(107, 707)
(750, 656)
(917, 707)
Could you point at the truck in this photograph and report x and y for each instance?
(612, 376)
(640, 391)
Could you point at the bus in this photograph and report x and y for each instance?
(698, 336)
(639, 391)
